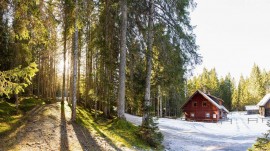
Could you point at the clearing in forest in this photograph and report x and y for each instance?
(182, 135)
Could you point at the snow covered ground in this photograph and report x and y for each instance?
(198, 136)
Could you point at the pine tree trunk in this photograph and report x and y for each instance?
(41, 78)
(79, 69)
(64, 70)
(147, 101)
(75, 64)
(88, 62)
(54, 79)
(68, 79)
(133, 95)
(87, 65)
(90, 76)
(96, 86)
(160, 109)
(71, 77)
(105, 82)
(158, 102)
(50, 87)
(39, 75)
(87, 76)
(122, 72)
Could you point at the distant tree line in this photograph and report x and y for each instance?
(249, 91)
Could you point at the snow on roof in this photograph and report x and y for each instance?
(251, 107)
(265, 99)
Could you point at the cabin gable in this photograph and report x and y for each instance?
(267, 104)
(264, 106)
(200, 108)
(265, 110)
(201, 103)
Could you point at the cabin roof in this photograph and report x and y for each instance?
(211, 99)
(214, 100)
(264, 100)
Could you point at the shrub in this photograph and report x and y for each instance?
(263, 143)
(6, 109)
(151, 134)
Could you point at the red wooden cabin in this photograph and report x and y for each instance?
(204, 107)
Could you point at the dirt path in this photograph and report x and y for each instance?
(48, 128)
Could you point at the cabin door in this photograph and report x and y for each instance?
(263, 111)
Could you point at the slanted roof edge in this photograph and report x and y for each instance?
(264, 100)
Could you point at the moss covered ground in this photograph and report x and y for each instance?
(10, 116)
(119, 132)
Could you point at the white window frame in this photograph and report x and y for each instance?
(192, 114)
(207, 115)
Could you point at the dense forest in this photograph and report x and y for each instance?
(109, 56)
(248, 91)
(83, 42)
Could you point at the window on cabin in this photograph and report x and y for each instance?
(194, 104)
(207, 115)
(204, 104)
(192, 115)
(214, 116)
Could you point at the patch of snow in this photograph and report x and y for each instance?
(252, 107)
(182, 135)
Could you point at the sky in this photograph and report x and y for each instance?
(232, 35)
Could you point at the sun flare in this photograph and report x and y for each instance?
(60, 66)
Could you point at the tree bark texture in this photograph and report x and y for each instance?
(75, 64)
(122, 72)
(64, 70)
(79, 65)
(147, 101)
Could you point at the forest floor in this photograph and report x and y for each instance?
(182, 135)
(47, 127)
